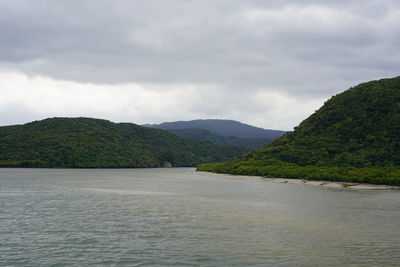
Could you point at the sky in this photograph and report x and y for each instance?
(263, 62)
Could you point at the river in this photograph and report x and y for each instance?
(177, 217)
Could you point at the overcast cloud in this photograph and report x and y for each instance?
(268, 63)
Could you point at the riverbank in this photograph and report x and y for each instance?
(346, 185)
(378, 175)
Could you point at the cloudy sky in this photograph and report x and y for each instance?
(263, 62)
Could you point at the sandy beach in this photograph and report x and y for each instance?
(345, 185)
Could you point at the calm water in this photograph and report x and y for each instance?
(175, 217)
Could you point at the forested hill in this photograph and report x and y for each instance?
(86, 142)
(221, 127)
(355, 135)
(204, 135)
(359, 127)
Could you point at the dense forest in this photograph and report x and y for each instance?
(355, 136)
(204, 135)
(91, 143)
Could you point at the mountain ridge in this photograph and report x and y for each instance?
(221, 127)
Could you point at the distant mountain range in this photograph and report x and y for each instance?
(95, 143)
(224, 132)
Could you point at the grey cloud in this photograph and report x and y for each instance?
(304, 48)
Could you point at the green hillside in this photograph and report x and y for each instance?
(355, 136)
(90, 143)
(204, 135)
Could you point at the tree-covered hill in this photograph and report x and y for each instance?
(86, 142)
(353, 136)
(204, 135)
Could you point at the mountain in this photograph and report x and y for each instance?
(355, 136)
(204, 135)
(86, 142)
(221, 127)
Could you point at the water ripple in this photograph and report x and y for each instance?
(178, 218)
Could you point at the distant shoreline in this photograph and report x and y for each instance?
(330, 184)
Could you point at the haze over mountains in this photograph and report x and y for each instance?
(224, 132)
(221, 127)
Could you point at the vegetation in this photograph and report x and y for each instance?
(93, 143)
(355, 136)
(204, 135)
(373, 175)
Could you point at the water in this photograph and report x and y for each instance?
(176, 217)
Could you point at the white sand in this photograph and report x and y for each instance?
(353, 186)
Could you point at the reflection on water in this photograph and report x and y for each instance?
(175, 217)
(128, 192)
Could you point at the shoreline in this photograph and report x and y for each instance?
(329, 184)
